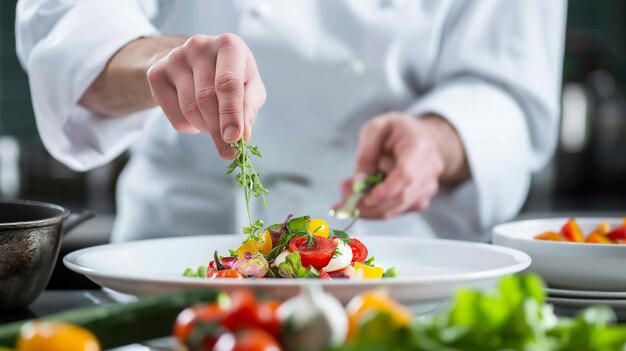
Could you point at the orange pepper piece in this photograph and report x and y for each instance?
(250, 246)
(551, 236)
(572, 231)
(597, 238)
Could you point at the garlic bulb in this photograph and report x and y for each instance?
(313, 320)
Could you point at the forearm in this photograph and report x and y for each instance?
(450, 145)
(122, 87)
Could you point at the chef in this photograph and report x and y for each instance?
(456, 101)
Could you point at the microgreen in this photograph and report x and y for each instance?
(337, 253)
(248, 179)
(370, 262)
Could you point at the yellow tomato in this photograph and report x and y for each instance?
(319, 223)
(373, 302)
(250, 246)
(369, 272)
(56, 336)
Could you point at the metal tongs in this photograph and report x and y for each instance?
(360, 188)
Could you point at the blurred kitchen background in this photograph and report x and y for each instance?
(586, 176)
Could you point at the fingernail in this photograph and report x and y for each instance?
(230, 132)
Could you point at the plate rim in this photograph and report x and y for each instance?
(586, 294)
(619, 303)
(522, 262)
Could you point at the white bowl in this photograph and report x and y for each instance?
(568, 265)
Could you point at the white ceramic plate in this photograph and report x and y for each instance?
(567, 265)
(430, 269)
(585, 294)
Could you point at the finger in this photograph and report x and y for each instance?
(206, 99)
(371, 141)
(254, 95)
(165, 95)
(229, 86)
(249, 119)
(185, 91)
(397, 180)
(386, 163)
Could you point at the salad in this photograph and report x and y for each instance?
(571, 232)
(299, 247)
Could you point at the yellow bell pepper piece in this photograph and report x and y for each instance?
(265, 246)
(369, 272)
(371, 302)
(56, 336)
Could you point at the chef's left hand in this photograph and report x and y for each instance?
(416, 154)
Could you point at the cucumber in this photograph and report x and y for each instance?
(120, 324)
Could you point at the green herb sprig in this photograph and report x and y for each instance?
(248, 179)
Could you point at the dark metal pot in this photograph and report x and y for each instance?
(30, 239)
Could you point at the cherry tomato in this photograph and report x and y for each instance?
(242, 312)
(267, 317)
(228, 273)
(318, 255)
(211, 269)
(359, 251)
(56, 336)
(198, 327)
(324, 229)
(247, 340)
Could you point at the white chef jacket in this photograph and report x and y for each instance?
(490, 67)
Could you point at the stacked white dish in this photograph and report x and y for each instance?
(579, 274)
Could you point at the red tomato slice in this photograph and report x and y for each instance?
(359, 251)
(318, 255)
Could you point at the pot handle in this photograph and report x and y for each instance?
(75, 219)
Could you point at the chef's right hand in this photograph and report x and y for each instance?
(210, 85)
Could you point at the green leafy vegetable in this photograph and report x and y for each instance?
(232, 253)
(299, 224)
(514, 317)
(293, 227)
(391, 272)
(292, 267)
(248, 179)
(370, 262)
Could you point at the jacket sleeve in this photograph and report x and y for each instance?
(64, 45)
(496, 78)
